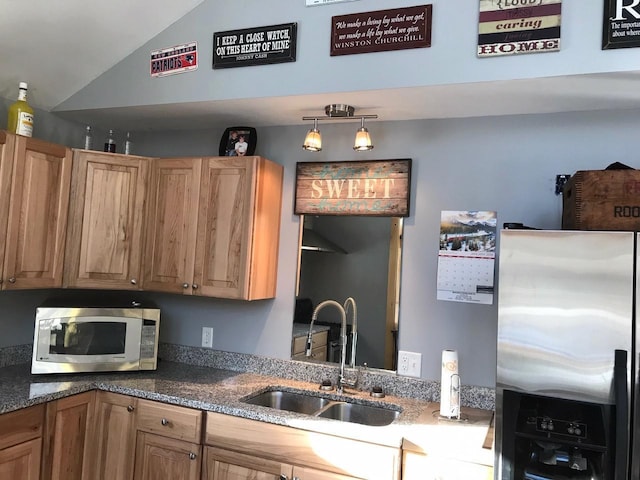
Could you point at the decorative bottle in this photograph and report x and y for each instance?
(20, 118)
(127, 145)
(88, 139)
(110, 143)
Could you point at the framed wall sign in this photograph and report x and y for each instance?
(368, 188)
(513, 27)
(313, 3)
(172, 60)
(382, 30)
(621, 24)
(255, 46)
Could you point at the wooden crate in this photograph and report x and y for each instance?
(602, 200)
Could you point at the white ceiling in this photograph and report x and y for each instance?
(62, 45)
(59, 46)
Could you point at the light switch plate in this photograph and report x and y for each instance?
(409, 363)
(207, 337)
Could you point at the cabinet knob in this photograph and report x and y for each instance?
(283, 477)
(164, 421)
(130, 408)
(194, 286)
(133, 281)
(185, 285)
(192, 456)
(12, 280)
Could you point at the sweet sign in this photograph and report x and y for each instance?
(255, 46)
(368, 188)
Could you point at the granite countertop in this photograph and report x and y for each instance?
(222, 391)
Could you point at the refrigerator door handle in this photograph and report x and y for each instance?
(621, 393)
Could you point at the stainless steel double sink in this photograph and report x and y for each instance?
(317, 406)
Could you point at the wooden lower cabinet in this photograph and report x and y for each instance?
(416, 466)
(163, 458)
(22, 461)
(241, 449)
(227, 465)
(21, 443)
(114, 437)
(145, 440)
(67, 436)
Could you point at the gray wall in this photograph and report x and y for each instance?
(450, 60)
(507, 164)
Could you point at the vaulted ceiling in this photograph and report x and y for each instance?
(61, 46)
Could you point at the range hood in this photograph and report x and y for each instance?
(315, 242)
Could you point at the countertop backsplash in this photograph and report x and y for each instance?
(391, 383)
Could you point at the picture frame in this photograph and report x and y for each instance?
(231, 144)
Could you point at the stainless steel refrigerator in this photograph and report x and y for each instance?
(567, 359)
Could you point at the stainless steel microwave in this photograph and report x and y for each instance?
(90, 339)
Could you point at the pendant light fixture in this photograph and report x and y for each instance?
(363, 139)
(313, 140)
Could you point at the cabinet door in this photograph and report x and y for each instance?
(20, 443)
(68, 429)
(224, 227)
(114, 437)
(171, 224)
(162, 458)
(226, 465)
(304, 473)
(416, 466)
(37, 220)
(105, 221)
(238, 228)
(22, 461)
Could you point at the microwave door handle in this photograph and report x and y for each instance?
(621, 394)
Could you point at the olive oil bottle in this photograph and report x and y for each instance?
(20, 118)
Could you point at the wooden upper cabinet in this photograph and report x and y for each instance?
(35, 179)
(214, 226)
(238, 228)
(171, 224)
(106, 215)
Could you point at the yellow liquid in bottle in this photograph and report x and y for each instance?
(20, 117)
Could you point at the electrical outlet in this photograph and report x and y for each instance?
(207, 337)
(409, 363)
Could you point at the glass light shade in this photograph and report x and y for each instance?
(363, 140)
(313, 141)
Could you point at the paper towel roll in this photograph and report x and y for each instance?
(450, 385)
